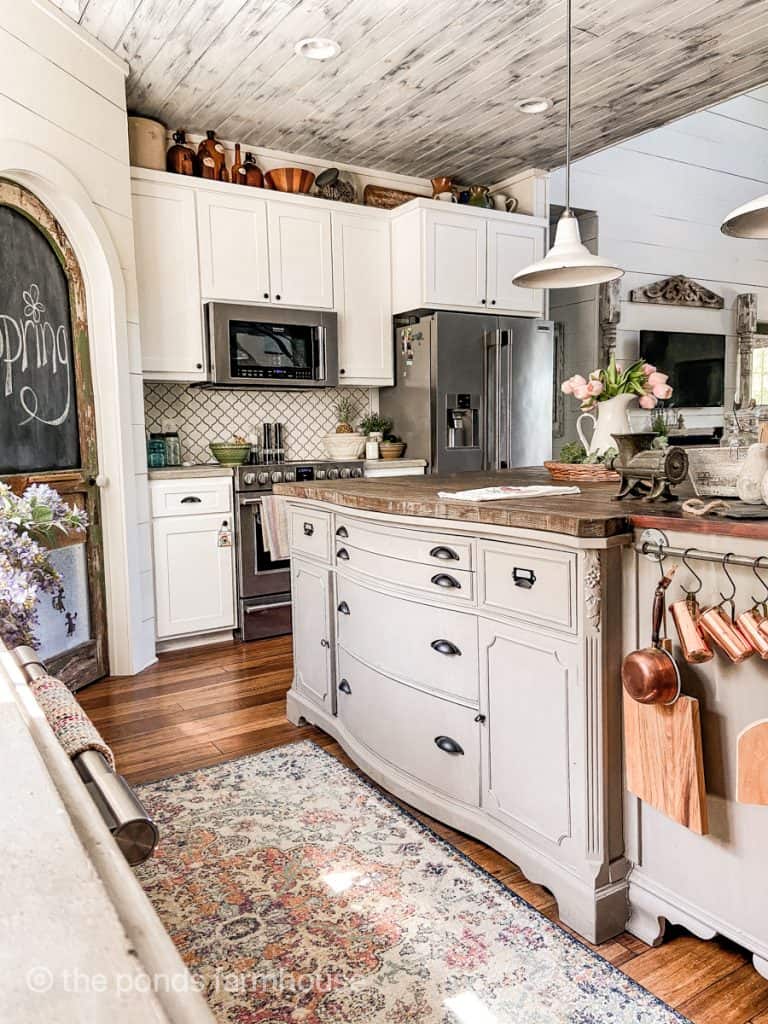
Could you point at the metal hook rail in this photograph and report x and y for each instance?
(654, 545)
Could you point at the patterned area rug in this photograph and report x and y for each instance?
(296, 892)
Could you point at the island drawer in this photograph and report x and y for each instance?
(439, 581)
(441, 550)
(191, 497)
(531, 583)
(428, 646)
(431, 739)
(310, 532)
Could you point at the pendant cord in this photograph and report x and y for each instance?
(569, 76)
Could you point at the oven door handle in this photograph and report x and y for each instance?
(252, 609)
(250, 501)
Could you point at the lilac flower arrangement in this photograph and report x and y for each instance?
(28, 524)
(639, 379)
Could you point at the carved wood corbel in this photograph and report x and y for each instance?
(609, 315)
(746, 331)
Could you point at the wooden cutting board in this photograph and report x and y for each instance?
(752, 786)
(663, 759)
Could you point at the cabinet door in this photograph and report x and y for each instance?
(300, 255)
(511, 247)
(527, 683)
(168, 282)
(234, 260)
(361, 271)
(311, 592)
(454, 259)
(194, 577)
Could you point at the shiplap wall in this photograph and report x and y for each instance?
(660, 199)
(64, 94)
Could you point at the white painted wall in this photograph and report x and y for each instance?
(63, 135)
(660, 199)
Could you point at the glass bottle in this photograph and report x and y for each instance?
(172, 449)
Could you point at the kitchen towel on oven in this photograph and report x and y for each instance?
(496, 493)
(274, 527)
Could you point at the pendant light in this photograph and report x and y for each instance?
(568, 264)
(748, 221)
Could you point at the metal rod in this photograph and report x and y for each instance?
(661, 551)
(568, 85)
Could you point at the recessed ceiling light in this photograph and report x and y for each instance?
(534, 105)
(317, 48)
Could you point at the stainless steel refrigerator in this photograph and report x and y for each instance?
(472, 391)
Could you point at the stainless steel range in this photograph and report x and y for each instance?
(264, 585)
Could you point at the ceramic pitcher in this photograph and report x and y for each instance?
(611, 419)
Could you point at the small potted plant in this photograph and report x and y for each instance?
(375, 426)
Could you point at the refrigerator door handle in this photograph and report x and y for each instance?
(504, 399)
(490, 394)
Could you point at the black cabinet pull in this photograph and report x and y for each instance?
(480, 719)
(342, 532)
(266, 295)
(446, 554)
(442, 579)
(343, 554)
(343, 608)
(198, 366)
(277, 297)
(324, 643)
(483, 301)
(524, 578)
(493, 302)
(308, 529)
(448, 746)
(191, 500)
(444, 647)
(345, 687)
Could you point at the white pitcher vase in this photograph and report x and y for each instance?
(611, 419)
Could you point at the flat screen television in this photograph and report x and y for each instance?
(695, 364)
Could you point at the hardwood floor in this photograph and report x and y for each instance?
(206, 705)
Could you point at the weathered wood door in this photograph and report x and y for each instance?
(47, 423)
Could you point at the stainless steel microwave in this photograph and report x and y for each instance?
(260, 346)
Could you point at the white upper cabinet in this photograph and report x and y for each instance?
(510, 248)
(446, 256)
(454, 259)
(168, 281)
(234, 254)
(300, 265)
(361, 272)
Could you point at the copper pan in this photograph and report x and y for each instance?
(651, 675)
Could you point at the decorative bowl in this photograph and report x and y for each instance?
(344, 446)
(391, 449)
(714, 472)
(229, 454)
(289, 179)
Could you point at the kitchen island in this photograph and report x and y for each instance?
(467, 657)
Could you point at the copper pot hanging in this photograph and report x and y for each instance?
(651, 675)
(721, 628)
(685, 615)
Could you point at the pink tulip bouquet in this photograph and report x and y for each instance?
(639, 379)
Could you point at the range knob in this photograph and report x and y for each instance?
(290, 475)
(320, 474)
(333, 474)
(277, 476)
(345, 473)
(357, 472)
(263, 478)
(249, 478)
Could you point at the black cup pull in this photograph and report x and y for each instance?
(324, 643)
(191, 500)
(343, 608)
(342, 532)
(480, 719)
(343, 554)
(442, 579)
(446, 554)
(308, 529)
(448, 746)
(345, 687)
(524, 578)
(444, 647)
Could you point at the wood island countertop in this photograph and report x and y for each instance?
(590, 514)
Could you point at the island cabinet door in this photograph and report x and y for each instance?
(311, 592)
(528, 683)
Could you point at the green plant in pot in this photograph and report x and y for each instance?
(375, 423)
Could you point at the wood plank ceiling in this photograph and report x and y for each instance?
(429, 88)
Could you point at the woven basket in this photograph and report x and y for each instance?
(580, 473)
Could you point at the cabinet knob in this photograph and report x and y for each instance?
(309, 529)
(344, 686)
(266, 295)
(443, 553)
(483, 301)
(343, 608)
(342, 532)
(444, 647)
(448, 746)
(342, 372)
(524, 578)
(198, 366)
(442, 579)
(277, 298)
(493, 302)
(480, 719)
(324, 643)
(343, 554)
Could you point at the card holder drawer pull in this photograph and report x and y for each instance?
(524, 578)
(308, 529)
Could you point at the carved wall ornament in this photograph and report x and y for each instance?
(677, 291)
(592, 588)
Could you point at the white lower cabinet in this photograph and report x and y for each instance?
(312, 630)
(526, 683)
(194, 574)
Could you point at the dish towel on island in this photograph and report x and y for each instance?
(274, 527)
(495, 493)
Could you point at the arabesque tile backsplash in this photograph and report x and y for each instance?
(204, 415)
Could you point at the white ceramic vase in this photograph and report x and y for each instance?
(749, 485)
(612, 418)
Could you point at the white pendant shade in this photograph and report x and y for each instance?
(749, 220)
(568, 264)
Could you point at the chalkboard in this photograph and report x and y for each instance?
(38, 399)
